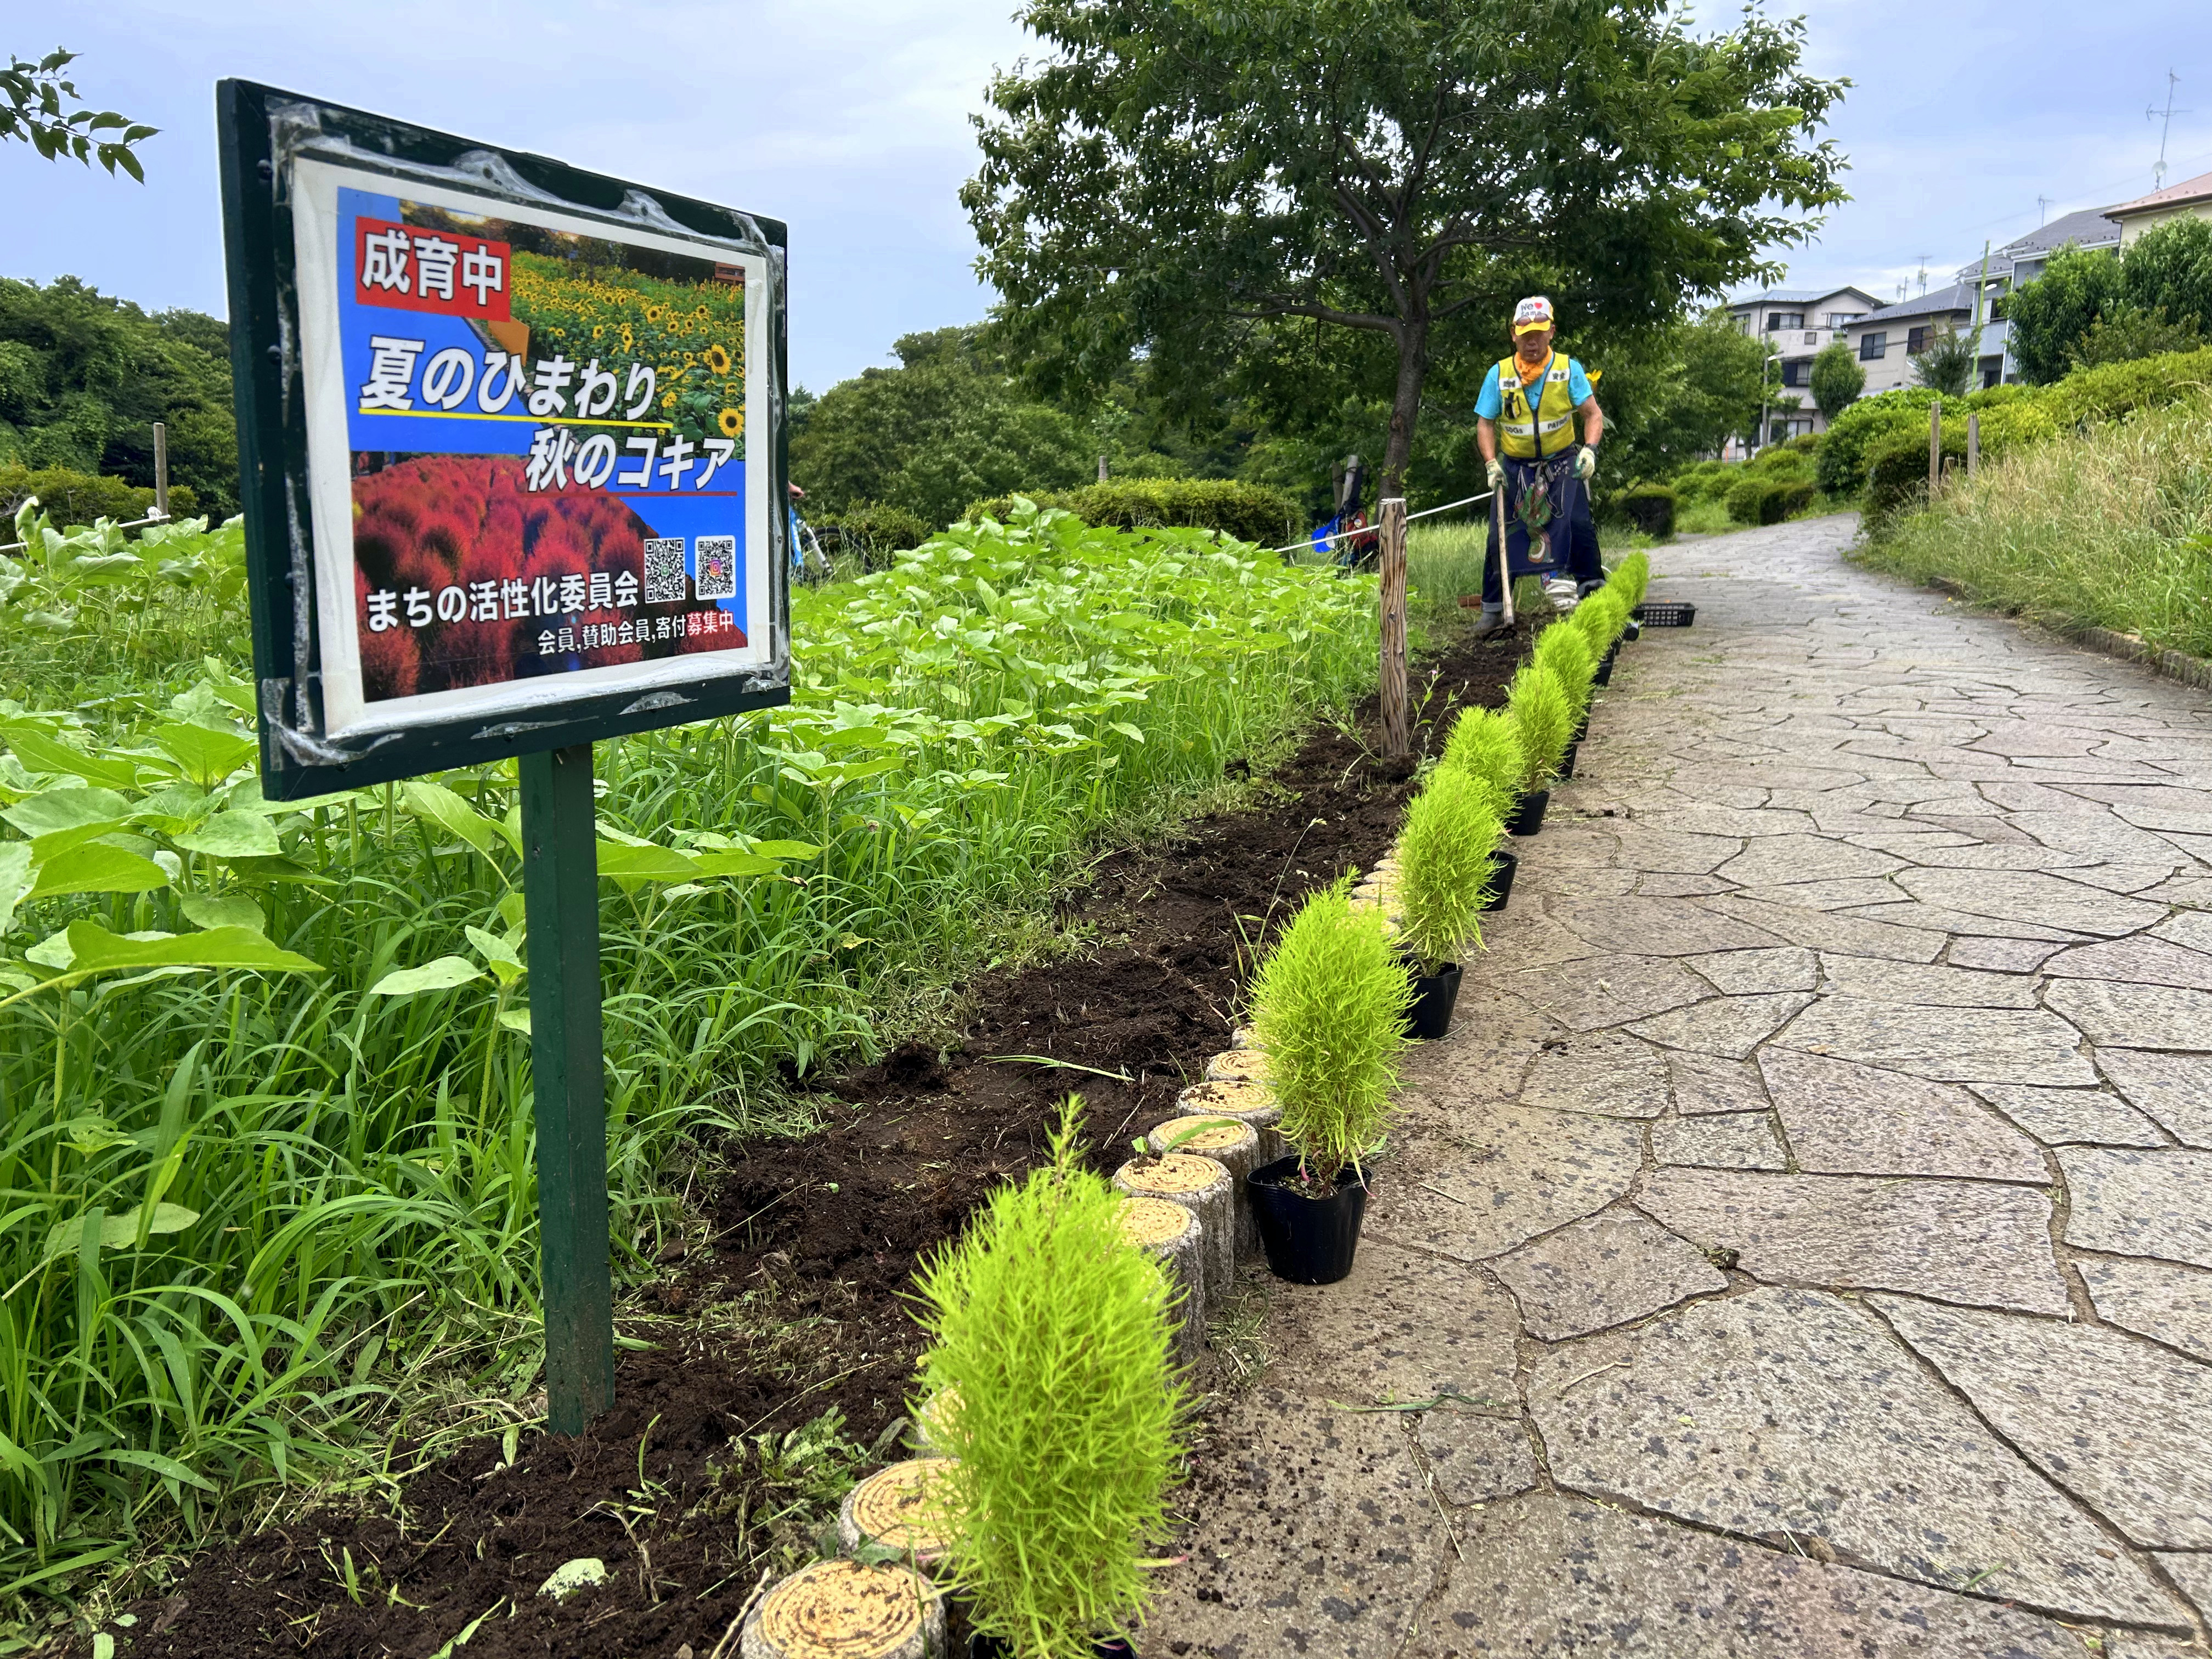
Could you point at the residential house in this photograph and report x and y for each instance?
(2023, 260)
(1887, 340)
(1796, 325)
(2191, 196)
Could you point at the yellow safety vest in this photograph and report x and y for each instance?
(1529, 434)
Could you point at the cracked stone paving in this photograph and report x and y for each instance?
(1802, 1243)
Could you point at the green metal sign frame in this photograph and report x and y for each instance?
(264, 133)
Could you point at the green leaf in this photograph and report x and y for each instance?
(646, 863)
(505, 962)
(44, 754)
(784, 849)
(207, 756)
(52, 810)
(117, 1230)
(441, 806)
(230, 910)
(97, 869)
(515, 1019)
(233, 836)
(95, 948)
(1126, 731)
(14, 878)
(167, 1468)
(443, 975)
(733, 864)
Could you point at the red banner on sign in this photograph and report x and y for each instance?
(415, 268)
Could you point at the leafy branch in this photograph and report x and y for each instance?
(32, 108)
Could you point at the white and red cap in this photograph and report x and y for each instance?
(1535, 312)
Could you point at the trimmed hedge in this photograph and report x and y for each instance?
(79, 498)
(1769, 499)
(871, 531)
(1650, 508)
(1267, 518)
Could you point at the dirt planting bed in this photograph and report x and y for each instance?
(707, 1475)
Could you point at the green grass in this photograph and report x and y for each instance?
(2112, 528)
(358, 1257)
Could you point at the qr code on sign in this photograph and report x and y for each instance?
(664, 570)
(718, 568)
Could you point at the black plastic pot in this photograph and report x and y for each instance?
(1633, 631)
(1308, 1240)
(1604, 675)
(1529, 816)
(1567, 760)
(1429, 1016)
(990, 1647)
(1503, 864)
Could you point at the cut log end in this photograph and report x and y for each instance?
(899, 1508)
(843, 1610)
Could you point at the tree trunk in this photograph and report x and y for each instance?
(1404, 411)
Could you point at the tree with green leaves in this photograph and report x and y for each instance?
(944, 428)
(1838, 379)
(2050, 315)
(1180, 172)
(40, 107)
(1948, 362)
(1178, 176)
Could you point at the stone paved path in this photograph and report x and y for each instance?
(1803, 1244)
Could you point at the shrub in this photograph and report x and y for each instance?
(1650, 508)
(1631, 576)
(1054, 1335)
(1745, 499)
(1543, 719)
(1601, 617)
(1443, 865)
(1566, 650)
(1485, 747)
(79, 498)
(1842, 467)
(1898, 469)
(2114, 390)
(1789, 499)
(872, 532)
(1267, 518)
(1328, 1004)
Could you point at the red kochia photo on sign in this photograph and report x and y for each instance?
(415, 268)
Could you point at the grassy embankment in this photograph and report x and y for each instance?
(2110, 526)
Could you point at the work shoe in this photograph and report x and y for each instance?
(1560, 591)
(1493, 626)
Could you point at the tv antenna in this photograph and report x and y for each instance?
(2042, 210)
(2164, 119)
(1922, 274)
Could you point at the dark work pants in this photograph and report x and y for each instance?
(1572, 519)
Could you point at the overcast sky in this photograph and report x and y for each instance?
(850, 119)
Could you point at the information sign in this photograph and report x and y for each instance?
(511, 443)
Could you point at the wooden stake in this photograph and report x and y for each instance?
(161, 469)
(1397, 739)
(1973, 443)
(1935, 449)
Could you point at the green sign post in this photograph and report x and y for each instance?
(510, 439)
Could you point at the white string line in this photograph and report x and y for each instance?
(1371, 529)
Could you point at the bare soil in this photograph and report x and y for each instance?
(704, 1480)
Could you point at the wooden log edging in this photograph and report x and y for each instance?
(1172, 1237)
(1204, 1187)
(843, 1610)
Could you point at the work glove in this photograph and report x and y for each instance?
(1495, 473)
(1585, 463)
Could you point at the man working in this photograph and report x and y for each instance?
(1545, 473)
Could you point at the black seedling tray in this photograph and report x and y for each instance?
(1668, 613)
